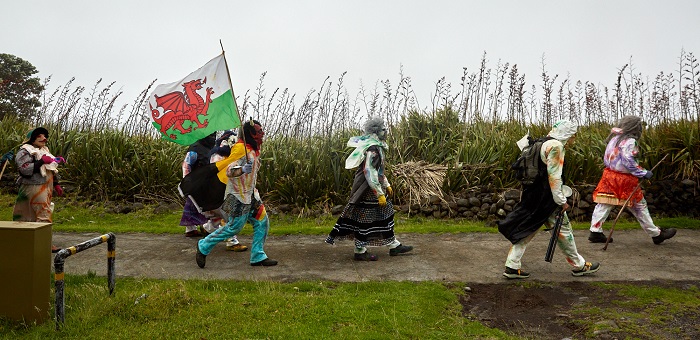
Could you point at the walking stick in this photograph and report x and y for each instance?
(6, 158)
(3, 168)
(612, 228)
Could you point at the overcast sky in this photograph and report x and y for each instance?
(300, 43)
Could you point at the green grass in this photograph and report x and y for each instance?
(216, 309)
(71, 217)
(195, 309)
(641, 311)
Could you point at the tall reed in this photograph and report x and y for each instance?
(114, 153)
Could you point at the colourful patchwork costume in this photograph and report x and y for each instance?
(37, 180)
(242, 202)
(620, 178)
(539, 204)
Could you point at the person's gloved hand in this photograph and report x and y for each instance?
(648, 174)
(58, 189)
(8, 156)
(390, 191)
(46, 159)
(247, 168)
(59, 160)
(382, 200)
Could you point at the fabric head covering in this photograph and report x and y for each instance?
(375, 134)
(375, 126)
(34, 133)
(563, 130)
(37, 153)
(627, 127)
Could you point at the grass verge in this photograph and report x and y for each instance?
(195, 309)
(641, 311)
(94, 218)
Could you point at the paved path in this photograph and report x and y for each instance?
(467, 257)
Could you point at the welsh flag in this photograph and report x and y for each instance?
(196, 106)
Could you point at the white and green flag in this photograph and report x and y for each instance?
(192, 108)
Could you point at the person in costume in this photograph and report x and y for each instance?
(242, 202)
(197, 155)
(620, 177)
(368, 218)
(221, 150)
(540, 204)
(38, 179)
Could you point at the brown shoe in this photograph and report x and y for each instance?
(193, 233)
(237, 247)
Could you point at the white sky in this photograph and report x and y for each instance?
(301, 42)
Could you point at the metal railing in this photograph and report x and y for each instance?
(60, 259)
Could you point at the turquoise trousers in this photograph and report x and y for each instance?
(234, 224)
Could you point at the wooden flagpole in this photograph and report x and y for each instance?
(230, 84)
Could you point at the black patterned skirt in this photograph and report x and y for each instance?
(365, 222)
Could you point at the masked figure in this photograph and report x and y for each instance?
(38, 180)
(539, 205)
(620, 177)
(368, 218)
(242, 202)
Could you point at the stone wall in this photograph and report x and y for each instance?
(666, 198)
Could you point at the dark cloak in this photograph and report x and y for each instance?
(203, 187)
(202, 184)
(202, 147)
(535, 207)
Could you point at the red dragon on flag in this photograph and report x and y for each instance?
(180, 107)
(184, 112)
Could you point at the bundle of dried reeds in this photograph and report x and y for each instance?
(419, 181)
